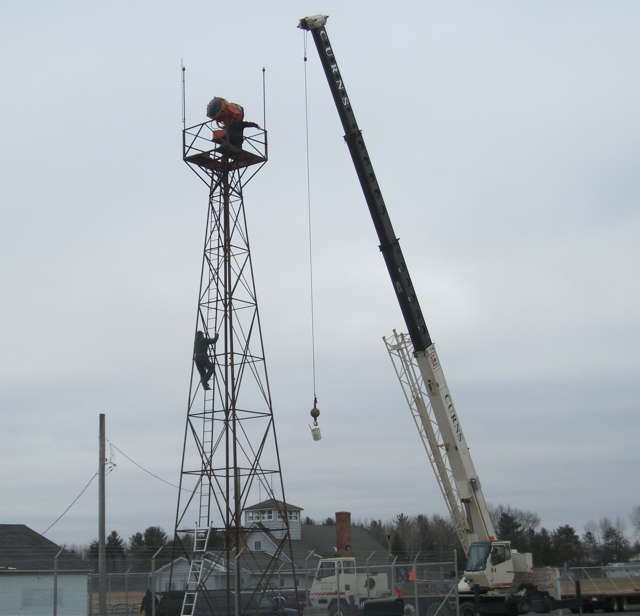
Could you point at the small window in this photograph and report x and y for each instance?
(257, 546)
(348, 566)
(326, 569)
(293, 515)
(498, 554)
(270, 515)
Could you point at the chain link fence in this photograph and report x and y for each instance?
(427, 584)
(325, 587)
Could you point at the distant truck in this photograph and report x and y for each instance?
(340, 588)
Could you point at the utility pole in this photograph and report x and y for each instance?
(102, 570)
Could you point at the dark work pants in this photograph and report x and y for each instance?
(205, 367)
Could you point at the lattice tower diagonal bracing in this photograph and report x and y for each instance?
(230, 454)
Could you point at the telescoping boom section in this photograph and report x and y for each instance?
(452, 461)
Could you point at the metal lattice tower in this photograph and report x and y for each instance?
(230, 455)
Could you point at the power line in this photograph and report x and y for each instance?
(142, 468)
(73, 502)
(111, 465)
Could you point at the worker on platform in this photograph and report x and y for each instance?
(201, 357)
(230, 119)
(235, 132)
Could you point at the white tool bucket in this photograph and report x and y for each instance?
(315, 433)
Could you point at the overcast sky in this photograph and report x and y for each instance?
(505, 137)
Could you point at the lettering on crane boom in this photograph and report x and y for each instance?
(334, 69)
(451, 409)
(453, 416)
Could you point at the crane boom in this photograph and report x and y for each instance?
(447, 448)
(389, 245)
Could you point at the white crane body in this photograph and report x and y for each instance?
(490, 563)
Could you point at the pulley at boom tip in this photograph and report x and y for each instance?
(312, 22)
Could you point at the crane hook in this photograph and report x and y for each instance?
(315, 413)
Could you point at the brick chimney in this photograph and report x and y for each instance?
(343, 533)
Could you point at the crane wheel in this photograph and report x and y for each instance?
(467, 609)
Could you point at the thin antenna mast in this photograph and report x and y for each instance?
(264, 101)
(184, 112)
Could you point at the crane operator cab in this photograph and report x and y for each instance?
(489, 565)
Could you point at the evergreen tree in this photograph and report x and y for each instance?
(136, 553)
(424, 534)
(590, 548)
(509, 529)
(542, 549)
(398, 548)
(93, 554)
(142, 547)
(380, 532)
(635, 521)
(404, 529)
(615, 546)
(115, 553)
(566, 545)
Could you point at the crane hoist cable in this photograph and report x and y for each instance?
(315, 412)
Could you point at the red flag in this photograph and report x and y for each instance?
(412, 575)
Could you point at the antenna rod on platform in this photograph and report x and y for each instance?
(184, 113)
(264, 102)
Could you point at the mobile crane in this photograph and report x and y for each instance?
(491, 564)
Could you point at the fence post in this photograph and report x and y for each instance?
(236, 571)
(415, 583)
(368, 574)
(153, 580)
(393, 574)
(55, 581)
(579, 596)
(126, 587)
(456, 580)
(338, 604)
(306, 577)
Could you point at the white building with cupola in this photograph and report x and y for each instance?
(265, 521)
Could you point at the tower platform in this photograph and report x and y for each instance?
(225, 157)
(208, 156)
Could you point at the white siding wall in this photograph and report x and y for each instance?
(216, 580)
(268, 518)
(32, 595)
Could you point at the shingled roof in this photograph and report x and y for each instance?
(322, 540)
(272, 503)
(23, 549)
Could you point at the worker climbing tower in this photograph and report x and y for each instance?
(230, 454)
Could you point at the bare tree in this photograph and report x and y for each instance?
(635, 521)
(527, 520)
